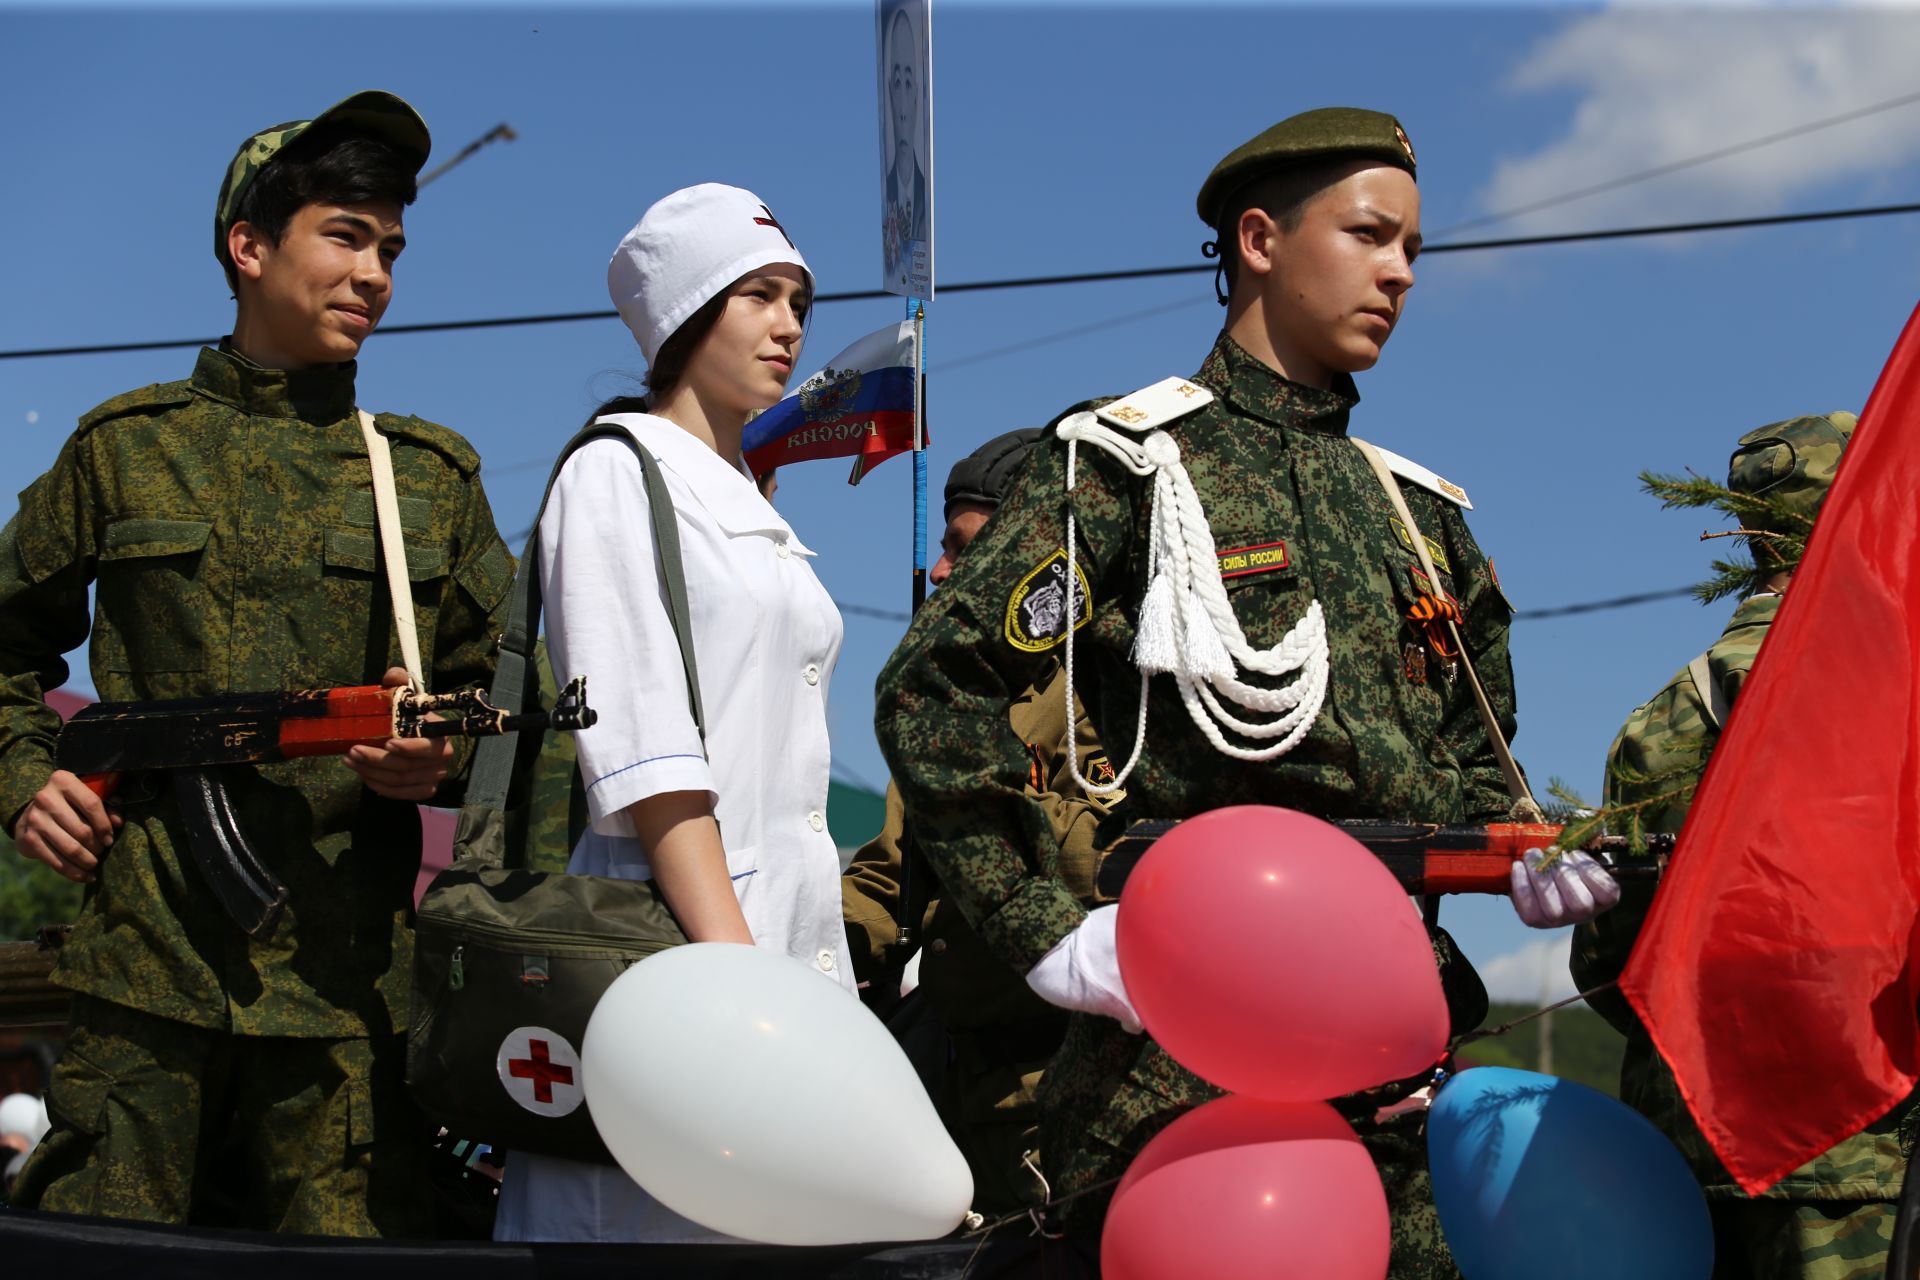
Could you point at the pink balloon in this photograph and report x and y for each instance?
(1241, 1187)
(1271, 954)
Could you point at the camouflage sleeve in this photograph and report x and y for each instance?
(1075, 815)
(46, 562)
(941, 707)
(1662, 747)
(870, 893)
(1488, 620)
(472, 616)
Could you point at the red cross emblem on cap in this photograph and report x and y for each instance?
(771, 221)
(540, 1070)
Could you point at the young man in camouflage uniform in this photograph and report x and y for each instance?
(228, 524)
(1318, 223)
(1832, 1218)
(996, 1035)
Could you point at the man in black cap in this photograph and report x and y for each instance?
(212, 1075)
(997, 1034)
(1274, 612)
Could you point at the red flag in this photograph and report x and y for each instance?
(1777, 972)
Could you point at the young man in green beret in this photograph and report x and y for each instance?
(1833, 1217)
(1338, 600)
(227, 525)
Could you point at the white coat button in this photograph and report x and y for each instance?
(826, 962)
(811, 674)
(782, 550)
(817, 821)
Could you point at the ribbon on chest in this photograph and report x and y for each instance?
(1187, 625)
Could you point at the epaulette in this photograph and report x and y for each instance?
(1162, 403)
(159, 395)
(442, 440)
(1150, 408)
(1407, 469)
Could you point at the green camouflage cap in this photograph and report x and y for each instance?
(987, 474)
(1311, 135)
(1791, 463)
(383, 115)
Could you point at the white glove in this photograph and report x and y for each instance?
(1082, 972)
(1575, 889)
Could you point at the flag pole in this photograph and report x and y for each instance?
(918, 314)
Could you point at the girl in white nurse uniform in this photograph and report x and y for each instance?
(734, 832)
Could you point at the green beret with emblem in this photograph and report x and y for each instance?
(1312, 135)
(380, 115)
(987, 474)
(1792, 465)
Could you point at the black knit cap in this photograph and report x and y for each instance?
(987, 474)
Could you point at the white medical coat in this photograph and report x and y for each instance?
(765, 636)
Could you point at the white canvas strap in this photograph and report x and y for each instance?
(386, 508)
(1516, 781)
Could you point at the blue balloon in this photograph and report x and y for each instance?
(1537, 1176)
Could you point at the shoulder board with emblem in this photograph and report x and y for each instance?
(442, 440)
(1407, 469)
(148, 399)
(1165, 401)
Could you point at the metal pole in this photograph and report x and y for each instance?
(918, 314)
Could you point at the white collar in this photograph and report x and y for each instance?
(725, 489)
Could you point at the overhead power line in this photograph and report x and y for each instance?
(1087, 277)
(1520, 615)
(1599, 606)
(1705, 157)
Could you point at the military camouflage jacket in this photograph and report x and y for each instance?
(1398, 736)
(1665, 741)
(966, 982)
(227, 524)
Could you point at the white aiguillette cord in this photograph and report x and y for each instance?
(1187, 625)
(386, 507)
(1516, 781)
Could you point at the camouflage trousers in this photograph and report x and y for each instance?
(158, 1121)
(1108, 1093)
(991, 1115)
(1772, 1239)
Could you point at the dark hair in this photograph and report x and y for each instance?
(670, 361)
(1282, 196)
(328, 165)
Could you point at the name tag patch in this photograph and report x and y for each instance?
(1434, 549)
(1264, 557)
(1037, 609)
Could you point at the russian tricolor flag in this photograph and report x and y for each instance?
(861, 404)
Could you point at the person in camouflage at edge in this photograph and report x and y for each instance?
(1318, 223)
(228, 524)
(1832, 1218)
(996, 1035)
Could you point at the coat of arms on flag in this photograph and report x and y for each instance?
(861, 405)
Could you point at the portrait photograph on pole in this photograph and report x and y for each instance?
(905, 42)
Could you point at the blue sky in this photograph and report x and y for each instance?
(1068, 139)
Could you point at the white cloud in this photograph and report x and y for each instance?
(1535, 974)
(1653, 87)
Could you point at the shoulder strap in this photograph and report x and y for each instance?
(1516, 781)
(386, 507)
(494, 758)
(1713, 700)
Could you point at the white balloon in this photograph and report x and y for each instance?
(749, 1093)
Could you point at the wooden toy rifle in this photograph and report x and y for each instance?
(1426, 858)
(190, 738)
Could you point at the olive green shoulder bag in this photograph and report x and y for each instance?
(508, 961)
